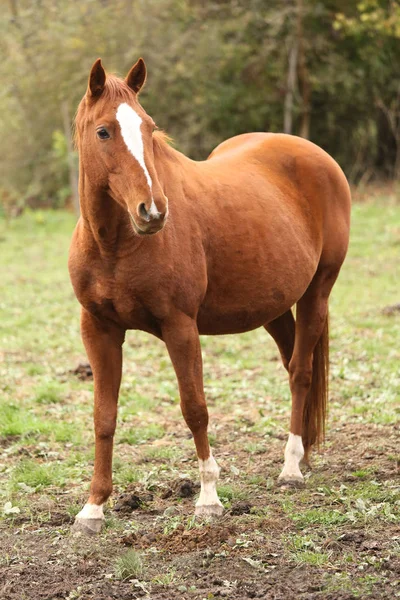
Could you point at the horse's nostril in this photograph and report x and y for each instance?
(143, 212)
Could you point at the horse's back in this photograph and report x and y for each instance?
(290, 156)
(308, 177)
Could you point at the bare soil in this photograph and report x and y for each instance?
(242, 555)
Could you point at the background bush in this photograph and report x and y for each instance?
(327, 70)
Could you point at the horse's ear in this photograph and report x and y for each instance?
(97, 79)
(137, 76)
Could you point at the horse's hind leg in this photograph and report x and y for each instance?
(308, 370)
(282, 330)
(181, 337)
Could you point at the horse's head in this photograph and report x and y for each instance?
(115, 140)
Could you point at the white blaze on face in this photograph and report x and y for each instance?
(294, 452)
(130, 124)
(209, 473)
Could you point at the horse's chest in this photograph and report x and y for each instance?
(105, 298)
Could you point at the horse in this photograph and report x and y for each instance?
(180, 248)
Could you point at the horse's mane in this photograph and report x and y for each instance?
(162, 139)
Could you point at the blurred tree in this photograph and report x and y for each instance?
(326, 70)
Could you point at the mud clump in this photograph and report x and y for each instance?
(241, 508)
(181, 540)
(181, 488)
(83, 372)
(391, 310)
(131, 500)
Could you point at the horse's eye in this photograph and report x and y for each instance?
(103, 134)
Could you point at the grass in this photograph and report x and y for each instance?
(166, 579)
(129, 565)
(46, 433)
(305, 550)
(34, 476)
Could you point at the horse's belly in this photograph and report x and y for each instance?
(246, 307)
(220, 323)
(252, 290)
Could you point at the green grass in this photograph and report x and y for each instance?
(48, 393)
(129, 565)
(34, 475)
(143, 434)
(166, 579)
(303, 553)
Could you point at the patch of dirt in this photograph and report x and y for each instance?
(391, 310)
(210, 536)
(83, 372)
(8, 440)
(132, 499)
(181, 488)
(245, 554)
(241, 508)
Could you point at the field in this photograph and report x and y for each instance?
(338, 539)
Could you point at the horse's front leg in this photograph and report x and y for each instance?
(181, 337)
(103, 342)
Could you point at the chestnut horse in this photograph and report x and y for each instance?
(179, 248)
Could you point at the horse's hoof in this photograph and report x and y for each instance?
(210, 510)
(88, 526)
(290, 483)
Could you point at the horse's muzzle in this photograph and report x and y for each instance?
(148, 222)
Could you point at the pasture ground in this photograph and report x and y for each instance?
(337, 539)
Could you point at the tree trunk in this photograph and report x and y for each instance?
(73, 173)
(303, 77)
(290, 88)
(14, 8)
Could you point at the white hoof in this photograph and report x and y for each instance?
(88, 526)
(90, 519)
(210, 510)
(291, 476)
(291, 481)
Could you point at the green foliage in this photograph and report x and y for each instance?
(216, 69)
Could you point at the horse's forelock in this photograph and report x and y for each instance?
(115, 89)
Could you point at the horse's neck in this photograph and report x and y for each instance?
(104, 219)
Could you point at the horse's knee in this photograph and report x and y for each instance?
(105, 429)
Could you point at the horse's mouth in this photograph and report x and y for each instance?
(151, 230)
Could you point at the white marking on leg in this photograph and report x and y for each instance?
(209, 474)
(294, 452)
(91, 511)
(130, 124)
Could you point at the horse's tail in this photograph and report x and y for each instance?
(315, 408)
